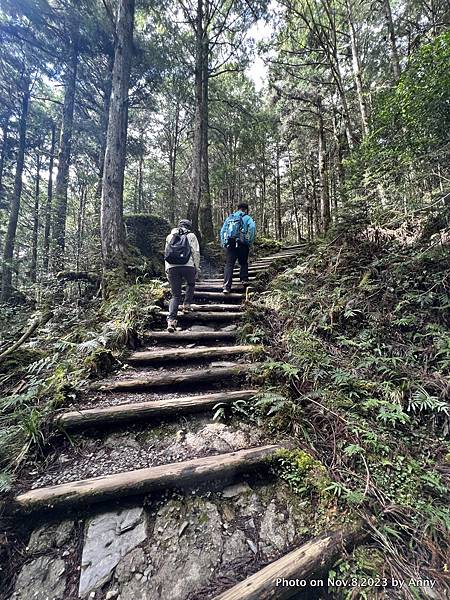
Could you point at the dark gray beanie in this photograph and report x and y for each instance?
(185, 223)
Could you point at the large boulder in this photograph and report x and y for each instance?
(147, 234)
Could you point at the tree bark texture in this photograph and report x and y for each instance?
(356, 65)
(175, 354)
(124, 413)
(200, 209)
(48, 205)
(278, 195)
(395, 62)
(111, 224)
(325, 216)
(174, 140)
(142, 481)
(103, 134)
(10, 239)
(206, 217)
(64, 156)
(182, 379)
(34, 235)
(196, 173)
(4, 151)
(313, 557)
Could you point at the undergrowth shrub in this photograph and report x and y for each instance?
(359, 375)
(77, 348)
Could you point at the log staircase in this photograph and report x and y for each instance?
(224, 383)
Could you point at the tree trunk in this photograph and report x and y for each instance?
(65, 145)
(48, 206)
(356, 65)
(4, 151)
(206, 221)
(294, 200)
(141, 179)
(325, 216)
(103, 133)
(278, 231)
(34, 236)
(395, 63)
(194, 202)
(340, 174)
(8, 251)
(314, 200)
(80, 224)
(173, 155)
(112, 229)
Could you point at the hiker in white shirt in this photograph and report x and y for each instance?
(182, 262)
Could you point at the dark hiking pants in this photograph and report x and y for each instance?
(176, 275)
(237, 253)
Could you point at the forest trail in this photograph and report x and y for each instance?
(116, 524)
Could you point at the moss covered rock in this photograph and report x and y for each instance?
(147, 234)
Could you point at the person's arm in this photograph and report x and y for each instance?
(165, 247)
(195, 247)
(251, 230)
(222, 234)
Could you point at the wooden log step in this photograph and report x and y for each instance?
(124, 413)
(217, 287)
(178, 378)
(142, 481)
(274, 257)
(266, 259)
(220, 280)
(316, 556)
(294, 246)
(251, 272)
(188, 336)
(207, 316)
(149, 357)
(219, 295)
(215, 307)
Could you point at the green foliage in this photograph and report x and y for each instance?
(265, 245)
(364, 565)
(360, 369)
(304, 474)
(133, 309)
(410, 122)
(62, 371)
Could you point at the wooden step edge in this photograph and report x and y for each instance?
(306, 562)
(218, 295)
(187, 335)
(167, 354)
(220, 280)
(218, 287)
(183, 378)
(123, 413)
(143, 481)
(295, 246)
(214, 307)
(206, 316)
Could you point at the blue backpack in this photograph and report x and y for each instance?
(234, 230)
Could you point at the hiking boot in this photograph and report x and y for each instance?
(171, 325)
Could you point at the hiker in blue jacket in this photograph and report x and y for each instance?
(236, 237)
